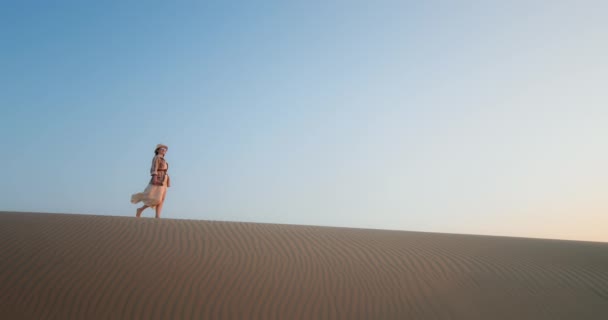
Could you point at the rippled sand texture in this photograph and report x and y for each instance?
(55, 266)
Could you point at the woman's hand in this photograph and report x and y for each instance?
(156, 180)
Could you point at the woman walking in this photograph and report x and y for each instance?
(154, 194)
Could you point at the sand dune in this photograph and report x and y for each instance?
(55, 266)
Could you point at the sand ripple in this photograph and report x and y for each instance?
(55, 266)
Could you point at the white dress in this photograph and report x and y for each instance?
(154, 195)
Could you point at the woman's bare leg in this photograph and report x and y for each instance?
(140, 210)
(159, 208)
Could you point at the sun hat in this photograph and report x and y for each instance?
(160, 145)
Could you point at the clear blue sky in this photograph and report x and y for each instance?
(482, 117)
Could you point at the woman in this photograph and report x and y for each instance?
(154, 194)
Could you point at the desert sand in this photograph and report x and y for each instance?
(64, 266)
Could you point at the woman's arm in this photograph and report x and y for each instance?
(154, 169)
(155, 164)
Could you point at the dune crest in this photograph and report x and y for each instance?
(56, 266)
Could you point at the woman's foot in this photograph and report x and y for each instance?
(138, 212)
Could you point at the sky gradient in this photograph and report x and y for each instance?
(478, 117)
